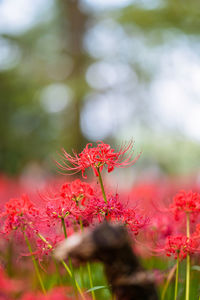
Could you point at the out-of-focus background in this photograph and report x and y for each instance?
(73, 71)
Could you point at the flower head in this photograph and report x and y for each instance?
(71, 201)
(134, 220)
(179, 246)
(98, 157)
(188, 202)
(77, 191)
(19, 213)
(112, 210)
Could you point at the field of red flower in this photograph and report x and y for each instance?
(162, 218)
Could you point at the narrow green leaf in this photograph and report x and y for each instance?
(97, 288)
(196, 268)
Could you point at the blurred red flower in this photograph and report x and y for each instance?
(188, 202)
(179, 246)
(19, 212)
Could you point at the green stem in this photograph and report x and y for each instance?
(89, 268)
(34, 263)
(64, 227)
(187, 288)
(91, 281)
(81, 268)
(60, 280)
(81, 271)
(66, 268)
(50, 247)
(64, 264)
(44, 240)
(74, 281)
(102, 186)
(70, 274)
(169, 278)
(62, 261)
(176, 282)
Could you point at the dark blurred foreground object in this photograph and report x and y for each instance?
(111, 245)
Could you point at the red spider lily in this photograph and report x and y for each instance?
(114, 210)
(76, 191)
(134, 220)
(45, 246)
(71, 201)
(187, 202)
(19, 213)
(98, 157)
(180, 246)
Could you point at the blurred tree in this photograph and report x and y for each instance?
(28, 131)
(169, 14)
(73, 27)
(51, 57)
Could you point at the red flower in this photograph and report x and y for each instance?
(71, 202)
(19, 213)
(187, 202)
(76, 191)
(112, 210)
(134, 220)
(179, 246)
(98, 157)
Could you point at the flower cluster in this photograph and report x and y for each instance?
(112, 210)
(19, 213)
(179, 246)
(188, 202)
(72, 200)
(133, 220)
(97, 158)
(72, 206)
(76, 191)
(78, 202)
